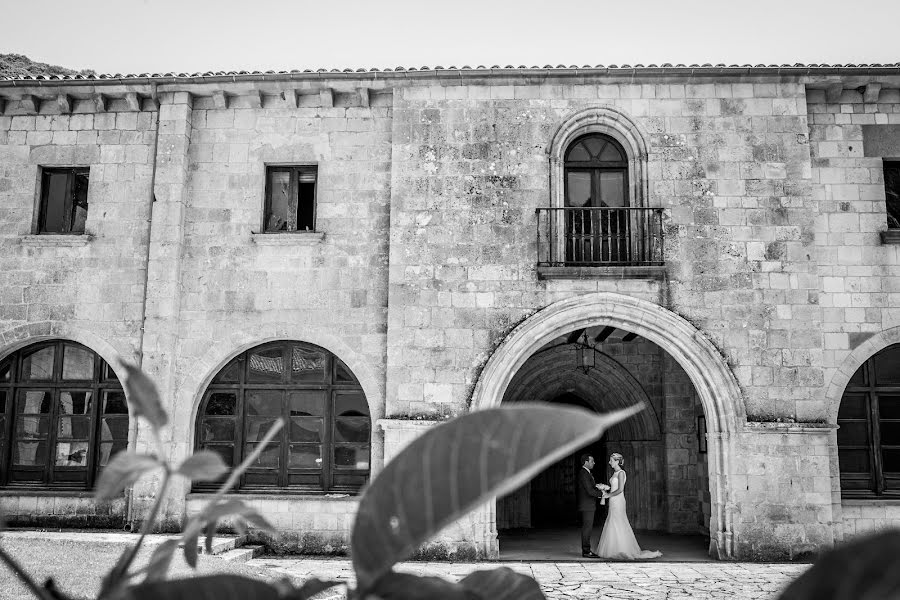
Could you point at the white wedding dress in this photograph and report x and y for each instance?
(617, 540)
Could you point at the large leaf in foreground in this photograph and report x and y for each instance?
(864, 569)
(502, 584)
(143, 397)
(457, 465)
(208, 587)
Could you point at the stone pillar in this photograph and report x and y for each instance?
(163, 295)
(472, 537)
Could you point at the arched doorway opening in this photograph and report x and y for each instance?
(703, 366)
(602, 368)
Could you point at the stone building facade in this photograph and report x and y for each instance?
(743, 276)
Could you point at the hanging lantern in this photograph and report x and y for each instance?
(584, 356)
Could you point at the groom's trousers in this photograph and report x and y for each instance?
(587, 526)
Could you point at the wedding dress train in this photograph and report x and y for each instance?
(617, 540)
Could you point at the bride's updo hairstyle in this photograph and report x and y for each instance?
(618, 458)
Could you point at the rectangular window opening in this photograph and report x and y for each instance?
(892, 193)
(290, 199)
(64, 200)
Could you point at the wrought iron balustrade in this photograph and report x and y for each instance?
(592, 237)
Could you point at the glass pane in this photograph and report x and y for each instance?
(890, 433)
(110, 449)
(108, 373)
(578, 153)
(78, 428)
(305, 456)
(352, 429)
(39, 365)
(350, 405)
(79, 200)
(342, 373)
(595, 145)
(270, 457)
(226, 451)
(853, 406)
(71, 454)
(307, 364)
(2, 429)
(257, 427)
(306, 429)
(34, 402)
(578, 188)
(265, 366)
(5, 371)
(230, 374)
(887, 366)
(611, 154)
(30, 454)
(213, 430)
(114, 428)
(858, 377)
(2, 401)
(279, 201)
(889, 406)
(75, 403)
(262, 402)
(854, 461)
(852, 434)
(351, 457)
(54, 205)
(221, 404)
(306, 403)
(114, 403)
(78, 363)
(612, 189)
(890, 459)
(32, 427)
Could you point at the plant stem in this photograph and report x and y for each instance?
(147, 525)
(236, 473)
(20, 572)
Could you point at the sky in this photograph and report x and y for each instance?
(140, 36)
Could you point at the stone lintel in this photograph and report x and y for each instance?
(611, 272)
(871, 92)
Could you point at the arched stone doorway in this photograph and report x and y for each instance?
(715, 386)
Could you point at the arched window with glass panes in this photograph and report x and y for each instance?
(325, 444)
(869, 428)
(63, 415)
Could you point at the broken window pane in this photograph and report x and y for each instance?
(64, 200)
(892, 193)
(290, 199)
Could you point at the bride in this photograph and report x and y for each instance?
(617, 540)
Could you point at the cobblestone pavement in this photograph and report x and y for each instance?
(595, 580)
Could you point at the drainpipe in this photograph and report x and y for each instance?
(129, 494)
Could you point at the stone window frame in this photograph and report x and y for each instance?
(38, 226)
(103, 384)
(892, 234)
(326, 480)
(873, 483)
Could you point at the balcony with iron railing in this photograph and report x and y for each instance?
(579, 243)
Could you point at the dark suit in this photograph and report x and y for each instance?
(587, 505)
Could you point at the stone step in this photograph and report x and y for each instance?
(219, 544)
(242, 554)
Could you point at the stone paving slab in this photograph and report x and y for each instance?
(594, 580)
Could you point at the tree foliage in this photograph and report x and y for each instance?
(17, 66)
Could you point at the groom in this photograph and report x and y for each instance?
(587, 503)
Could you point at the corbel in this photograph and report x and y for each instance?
(292, 98)
(31, 103)
(255, 97)
(64, 101)
(100, 102)
(154, 97)
(364, 97)
(833, 92)
(133, 101)
(871, 92)
(326, 95)
(220, 100)
(2, 105)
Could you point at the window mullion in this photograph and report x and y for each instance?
(874, 429)
(328, 440)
